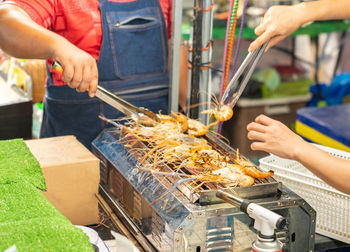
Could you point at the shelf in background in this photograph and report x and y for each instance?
(312, 29)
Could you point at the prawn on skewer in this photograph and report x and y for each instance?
(182, 120)
(229, 178)
(254, 173)
(221, 112)
(191, 126)
(196, 128)
(249, 169)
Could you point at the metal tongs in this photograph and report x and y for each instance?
(135, 113)
(235, 88)
(139, 114)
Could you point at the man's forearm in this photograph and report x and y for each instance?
(332, 170)
(21, 37)
(183, 77)
(324, 10)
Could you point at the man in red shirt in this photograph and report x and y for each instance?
(118, 44)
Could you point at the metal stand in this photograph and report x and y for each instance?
(175, 44)
(196, 56)
(200, 86)
(205, 83)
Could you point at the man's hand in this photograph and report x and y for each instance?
(274, 137)
(80, 68)
(277, 24)
(21, 37)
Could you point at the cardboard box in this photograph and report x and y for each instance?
(72, 176)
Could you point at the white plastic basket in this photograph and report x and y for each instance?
(332, 206)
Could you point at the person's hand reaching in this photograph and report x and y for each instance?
(274, 137)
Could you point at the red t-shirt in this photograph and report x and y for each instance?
(60, 16)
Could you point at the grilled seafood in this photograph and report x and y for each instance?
(249, 169)
(229, 176)
(182, 120)
(196, 128)
(166, 118)
(234, 173)
(175, 142)
(254, 173)
(221, 113)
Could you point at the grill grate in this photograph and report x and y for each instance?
(194, 190)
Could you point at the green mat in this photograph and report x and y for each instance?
(21, 201)
(17, 164)
(43, 234)
(27, 219)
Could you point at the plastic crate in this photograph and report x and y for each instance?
(332, 206)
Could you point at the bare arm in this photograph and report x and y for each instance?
(332, 170)
(274, 137)
(281, 21)
(183, 77)
(21, 37)
(183, 74)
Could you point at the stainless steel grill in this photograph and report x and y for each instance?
(192, 220)
(205, 193)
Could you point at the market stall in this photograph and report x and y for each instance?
(106, 144)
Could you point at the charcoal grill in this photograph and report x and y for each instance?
(192, 220)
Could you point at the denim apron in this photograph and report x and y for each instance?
(132, 64)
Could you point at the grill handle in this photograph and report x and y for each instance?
(236, 201)
(265, 222)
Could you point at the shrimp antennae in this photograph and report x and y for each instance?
(215, 100)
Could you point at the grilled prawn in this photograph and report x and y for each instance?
(221, 113)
